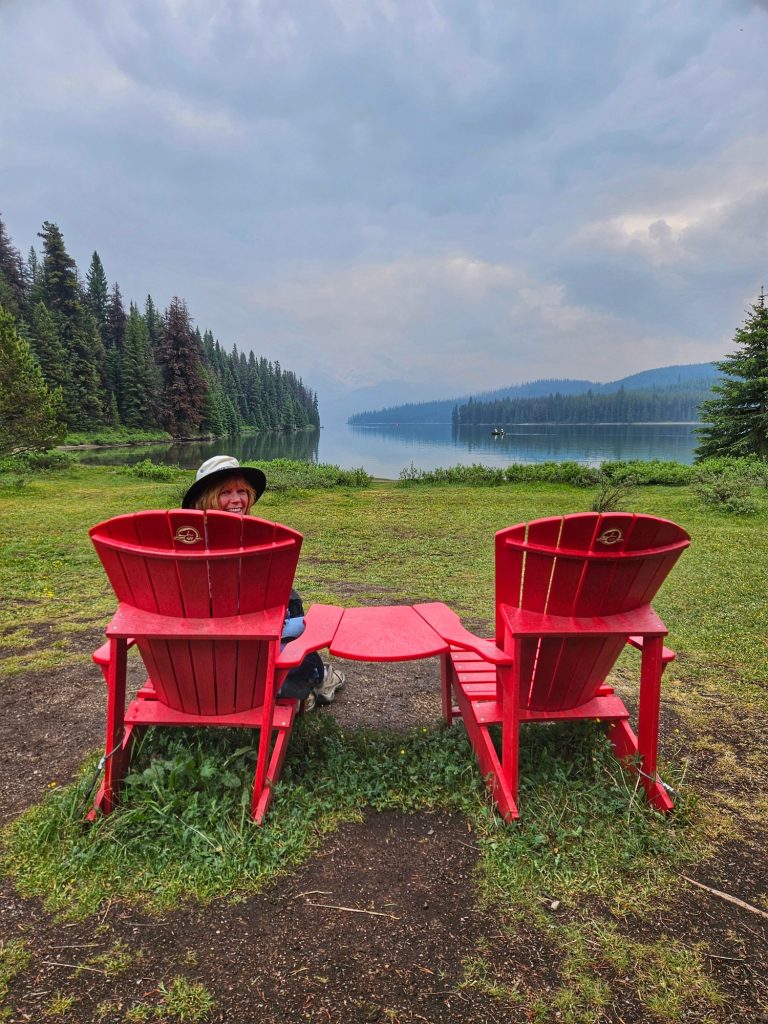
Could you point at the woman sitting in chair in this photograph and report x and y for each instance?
(223, 484)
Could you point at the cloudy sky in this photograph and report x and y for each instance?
(464, 193)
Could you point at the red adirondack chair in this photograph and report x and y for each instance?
(203, 595)
(570, 593)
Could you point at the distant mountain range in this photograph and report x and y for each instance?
(685, 379)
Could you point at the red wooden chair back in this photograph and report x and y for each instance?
(200, 565)
(583, 565)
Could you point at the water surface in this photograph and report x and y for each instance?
(383, 451)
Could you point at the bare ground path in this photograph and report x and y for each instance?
(410, 927)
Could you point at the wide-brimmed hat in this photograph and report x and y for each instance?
(216, 469)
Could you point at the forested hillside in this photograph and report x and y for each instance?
(135, 366)
(664, 393)
(646, 405)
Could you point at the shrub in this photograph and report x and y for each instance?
(483, 476)
(645, 473)
(613, 495)
(149, 470)
(727, 488)
(749, 468)
(289, 474)
(37, 462)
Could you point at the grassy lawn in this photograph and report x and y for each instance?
(585, 835)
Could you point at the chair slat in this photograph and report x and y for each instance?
(159, 661)
(224, 531)
(201, 686)
(509, 572)
(251, 674)
(578, 531)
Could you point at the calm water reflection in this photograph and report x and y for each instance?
(384, 451)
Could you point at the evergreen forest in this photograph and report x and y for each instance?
(664, 394)
(676, 404)
(112, 365)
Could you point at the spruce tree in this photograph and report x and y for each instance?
(31, 417)
(154, 323)
(114, 342)
(59, 289)
(33, 266)
(47, 346)
(13, 275)
(214, 423)
(97, 290)
(180, 360)
(140, 376)
(737, 419)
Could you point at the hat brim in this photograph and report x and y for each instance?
(254, 477)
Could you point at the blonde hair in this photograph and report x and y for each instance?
(210, 499)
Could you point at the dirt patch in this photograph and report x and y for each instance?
(412, 926)
(398, 695)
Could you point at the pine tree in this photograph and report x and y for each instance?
(97, 290)
(181, 363)
(47, 346)
(214, 421)
(13, 275)
(154, 323)
(140, 376)
(33, 266)
(738, 418)
(31, 417)
(60, 291)
(114, 342)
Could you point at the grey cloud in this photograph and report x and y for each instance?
(224, 149)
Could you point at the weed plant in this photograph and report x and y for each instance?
(37, 462)
(637, 472)
(183, 829)
(727, 485)
(613, 495)
(290, 474)
(146, 469)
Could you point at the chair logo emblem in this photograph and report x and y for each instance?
(610, 537)
(187, 535)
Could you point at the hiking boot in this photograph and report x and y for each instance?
(333, 680)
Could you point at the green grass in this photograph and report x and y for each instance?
(14, 959)
(585, 837)
(184, 829)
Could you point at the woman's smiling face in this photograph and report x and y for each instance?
(234, 496)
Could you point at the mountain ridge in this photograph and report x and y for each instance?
(685, 376)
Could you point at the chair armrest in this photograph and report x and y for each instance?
(667, 655)
(641, 621)
(321, 623)
(101, 654)
(132, 622)
(447, 624)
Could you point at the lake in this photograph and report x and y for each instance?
(383, 451)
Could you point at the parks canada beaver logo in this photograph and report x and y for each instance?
(610, 537)
(187, 535)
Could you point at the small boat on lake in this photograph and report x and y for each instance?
(497, 432)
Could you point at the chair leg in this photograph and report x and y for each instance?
(262, 800)
(500, 779)
(644, 747)
(447, 673)
(117, 752)
(651, 668)
(509, 682)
